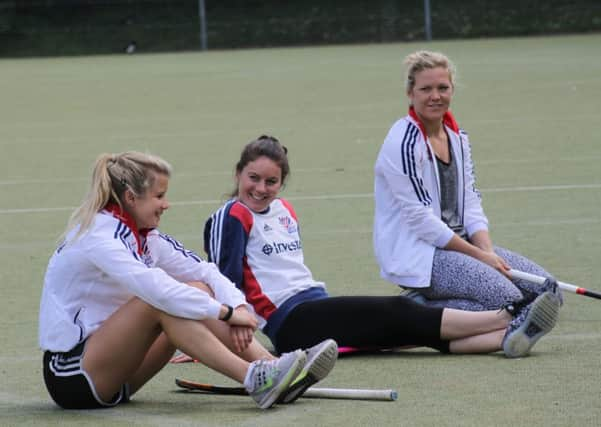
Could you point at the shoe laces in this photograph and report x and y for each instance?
(263, 370)
(519, 318)
(514, 307)
(518, 310)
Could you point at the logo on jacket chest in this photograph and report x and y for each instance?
(147, 260)
(146, 257)
(281, 247)
(287, 223)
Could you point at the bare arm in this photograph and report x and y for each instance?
(488, 257)
(481, 239)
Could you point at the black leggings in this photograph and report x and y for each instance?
(359, 321)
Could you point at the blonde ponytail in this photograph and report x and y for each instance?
(112, 175)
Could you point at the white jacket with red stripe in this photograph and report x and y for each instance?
(407, 218)
(89, 278)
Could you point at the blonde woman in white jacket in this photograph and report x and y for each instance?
(430, 231)
(119, 297)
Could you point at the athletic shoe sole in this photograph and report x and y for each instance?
(539, 321)
(296, 368)
(316, 369)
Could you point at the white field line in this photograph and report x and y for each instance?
(26, 181)
(72, 180)
(323, 197)
(542, 188)
(50, 243)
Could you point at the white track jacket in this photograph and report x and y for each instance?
(91, 277)
(407, 219)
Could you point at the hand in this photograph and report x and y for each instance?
(242, 317)
(242, 328)
(241, 337)
(496, 262)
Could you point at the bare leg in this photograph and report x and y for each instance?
(462, 324)
(203, 287)
(484, 343)
(255, 351)
(194, 338)
(156, 358)
(129, 348)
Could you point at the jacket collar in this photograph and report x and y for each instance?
(448, 120)
(127, 219)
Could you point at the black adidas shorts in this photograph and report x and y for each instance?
(70, 386)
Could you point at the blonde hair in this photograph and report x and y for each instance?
(112, 175)
(422, 60)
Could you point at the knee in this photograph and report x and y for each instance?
(203, 287)
(138, 308)
(503, 295)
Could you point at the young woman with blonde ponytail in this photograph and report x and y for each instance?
(119, 297)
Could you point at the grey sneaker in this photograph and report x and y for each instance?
(320, 361)
(550, 285)
(530, 323)
(270, 378)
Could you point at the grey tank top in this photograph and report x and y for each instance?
(449, 205)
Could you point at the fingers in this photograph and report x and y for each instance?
(503, 263)
(498, 263)
(503, 267)
(236, 339)
(241, 337)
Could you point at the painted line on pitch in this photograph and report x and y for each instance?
(541, 188)
(324, 197)
(25, 246)
(26, 181)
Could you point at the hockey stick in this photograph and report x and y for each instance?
(313, 392)
(516, 274)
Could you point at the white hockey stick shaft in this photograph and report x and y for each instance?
(350, 393)
(315, 392)
(516, 274)
(539, 280)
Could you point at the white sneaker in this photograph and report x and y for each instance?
(320, 361)
(270, 378)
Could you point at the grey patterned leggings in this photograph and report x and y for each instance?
(462, 282)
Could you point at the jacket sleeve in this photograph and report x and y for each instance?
(152, 285)
(185, 266)
(402, 162)
(225, 239)
(474, 217)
